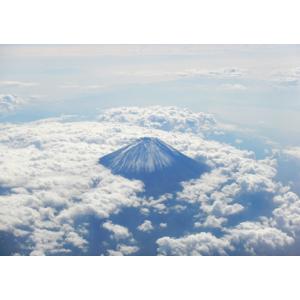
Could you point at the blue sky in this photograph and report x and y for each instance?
(253, 85)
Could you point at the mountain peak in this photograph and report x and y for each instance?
(156, 163)
(146, 154)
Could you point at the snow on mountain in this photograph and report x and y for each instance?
(144, 155)
(158, 165)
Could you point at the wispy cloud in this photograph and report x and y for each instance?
(83, 87)
(9, 103)
(288, 78)
(292, 151)
(13, 83)
(223, 73)
(233, 87)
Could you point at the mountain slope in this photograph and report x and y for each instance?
(158, 165)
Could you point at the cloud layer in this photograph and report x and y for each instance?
(52, 189)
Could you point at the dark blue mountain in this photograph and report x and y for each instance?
(161, 167)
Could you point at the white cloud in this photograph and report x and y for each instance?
(203, 243)
(119, 232)
(258, 238)
(166, 118)
(236, 175)
(222, 73)
(13, 83)
(9, 103)
(163, 225)
(292, 151)
(83, 87)
(250, 238)
(75, 239)
(123, 250)
(287, 215)
(287, 78)
(226, 73)
(233, 87)
(213, 222)
(146, 226)
(54, 165)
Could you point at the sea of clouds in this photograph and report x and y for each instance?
(51, 183)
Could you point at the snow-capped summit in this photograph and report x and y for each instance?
(144, 155)
(157, 164)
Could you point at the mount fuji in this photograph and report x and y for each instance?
(161, 167)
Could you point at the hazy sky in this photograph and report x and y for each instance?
(255, 85)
